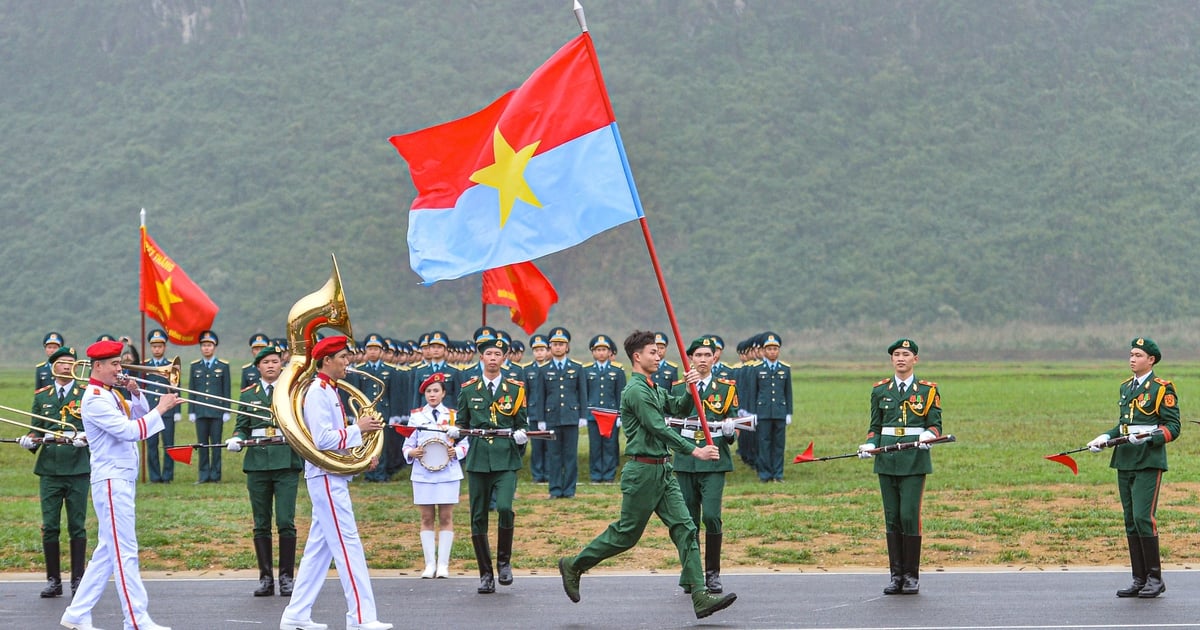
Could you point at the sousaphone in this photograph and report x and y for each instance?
(325, 308)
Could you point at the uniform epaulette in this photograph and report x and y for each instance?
(673, 364)
(251, 364)
(1127, 380)
(785, 364)
(416, 411)
(471, 380)
(1161, 381)
(40, 365)
(44, 388)
(249, 387)
(589, 364)
(679, 382)
(197, 361)
(929, 383)
(882, 382)
(515, 382)
(359, 366)
(727, 381)
(616, 364)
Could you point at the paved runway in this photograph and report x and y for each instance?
(959, 600)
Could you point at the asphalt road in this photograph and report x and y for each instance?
(959, 600)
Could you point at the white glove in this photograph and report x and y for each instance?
(925, 437)
(541, 426)
(618, 423)
(452, 432)
(225, 417)
(787, 420)
(519, 438)
(191, 417)
(178, 416)
(1097, 444)
(742, 413)
(583, 423)
(1134, 439)
(78, 441)
(234, 444)
(864, 451)
(394, 421)
(727, 427)
(27, 442)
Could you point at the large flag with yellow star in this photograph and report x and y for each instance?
(537, 171)
(170, 297)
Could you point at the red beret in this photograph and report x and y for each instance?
(436, 377)
(105, 350)
(328, 346)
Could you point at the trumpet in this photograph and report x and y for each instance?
(57, 421)
(56, 434)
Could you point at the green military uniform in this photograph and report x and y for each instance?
(63, 472)
(492, 464)
(1146, 404)
(702, 483)
(902, 413)
(272, 477)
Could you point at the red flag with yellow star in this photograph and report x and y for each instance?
(170, 297)
(537, 171)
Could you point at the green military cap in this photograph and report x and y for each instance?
(717, 341)
(1148, 346)
(266, 352)
(494, 342)
(907, 344)
(701, 342)
(60, 353)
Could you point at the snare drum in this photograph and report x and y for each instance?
(437, 454)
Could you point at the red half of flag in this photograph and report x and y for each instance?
(524, 290)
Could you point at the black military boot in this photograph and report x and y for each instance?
(266, 576)
(911, 565)
(287, 565)
(78, 562)
(1138, 563)
(712, 563)
(483, 557)
(504, 556)
(52, 550)
(1154, 583)
(895, 547)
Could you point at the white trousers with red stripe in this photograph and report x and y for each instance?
(332, 536)
(116, 556)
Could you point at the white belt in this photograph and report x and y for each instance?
(1130, 429)
(258, 433)
(903, 431)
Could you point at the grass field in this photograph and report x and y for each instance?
(992, 500)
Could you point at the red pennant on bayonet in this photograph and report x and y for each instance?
(404, 430)
(1065, 460)
(806, 456)
(181, 454)
(605, 420)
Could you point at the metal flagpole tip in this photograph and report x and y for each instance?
(806, 456)
(578, 8)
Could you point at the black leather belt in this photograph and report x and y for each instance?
(650, 460)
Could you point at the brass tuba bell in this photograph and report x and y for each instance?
(325, 308)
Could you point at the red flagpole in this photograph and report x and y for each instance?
(141, 252)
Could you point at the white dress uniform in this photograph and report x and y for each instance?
(334, 533)
(435, 487)
(114, 427)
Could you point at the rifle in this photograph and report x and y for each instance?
(407, 430)
(807, 455)
(1065, 458)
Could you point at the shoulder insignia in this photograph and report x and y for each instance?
(247, 366)
(196, 362)
(41, 365)
(673, 364)
(515, 382)
(417, 410)
(929, 383)
(882, 382)
(249, 387)
(679, 382)
(1161, 381)
(727, 381)
(223, 362)
(44, 389)
(471, 380)
(785, 364)
(1127, 380)
(589, 364)
(616, 364)
(95, 391)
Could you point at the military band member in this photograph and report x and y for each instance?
(436, 486)
(770, 394)
(333, 535)
(903, 409)
(605, 380)
(62, 469)
(541, 356)
(1148, 404)
(114, 426)
(210, 375)
(702, 483)
(272, 476)
(258, 341)
(667, 372)
(492, 402)
(161, 469)
(647, 484)
(43, 372)
(559, 401)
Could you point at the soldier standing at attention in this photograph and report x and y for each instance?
(747, 441)
(559, 400)
(769, 386)
(43, 373)
(392, 458)
(272, 477)
(667, 372)
(903, 409)
(435, 345)
(647, 484)
(541, 356)
(605, 380)
(258, 341)
(209, 375)
(1148, 405)
(62, 470)
(161, 468)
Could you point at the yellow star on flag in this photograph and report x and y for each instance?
(166, 297)
(507, 174)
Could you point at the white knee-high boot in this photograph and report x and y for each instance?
(445, 542)
(427, 542)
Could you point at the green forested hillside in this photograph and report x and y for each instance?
(804, 165)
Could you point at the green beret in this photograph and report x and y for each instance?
(60, 353)
(907, 344)
(266, 352)
(701, 342)
(1146, 344)
(494, 342)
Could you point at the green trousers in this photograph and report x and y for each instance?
(902, 495)
(480, 488)
(648, 489)
(57, 490)
(1139, 500)
(702, 494)
(276, 487)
